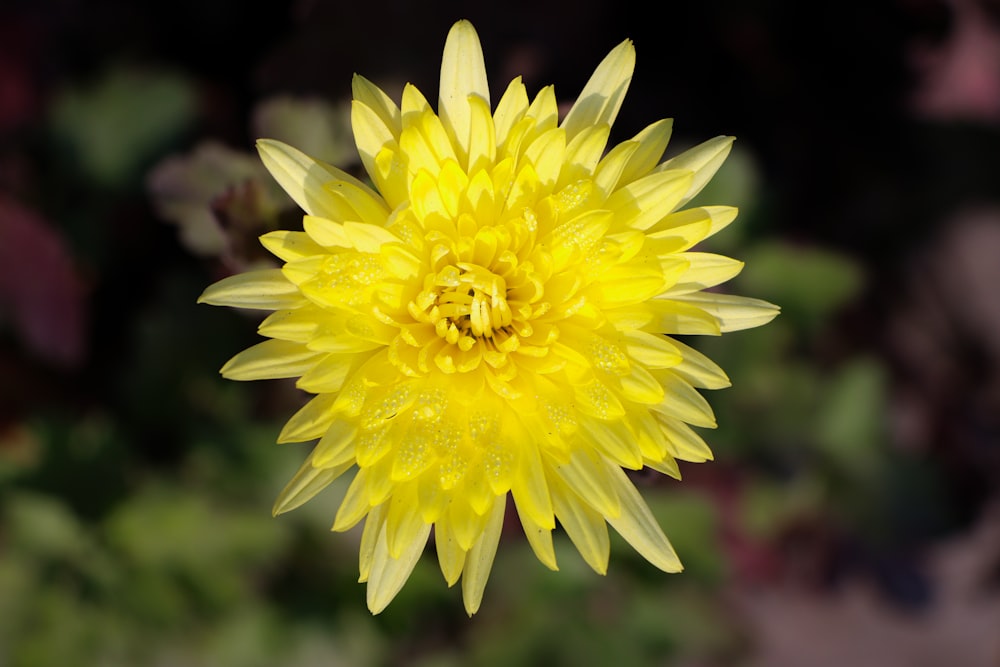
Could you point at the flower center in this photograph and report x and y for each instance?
(464, 302)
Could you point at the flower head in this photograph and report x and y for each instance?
(494, 317)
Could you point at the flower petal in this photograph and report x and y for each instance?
(602, 97)
(637, 525)
(304, 486)
(585, 526)
(375, 99)
(311, 421)
(703, 160)
(706, 270)
(643, 203)
(289, 246)
(479, 560)
(304, 178)
(509, 112)
(267, 289)
(269, 360)
(652, 141)
(585, 474)
(685, 444)
(733, 313)
(683, 401)
(388, 574)
(699, 370)
(463, 73)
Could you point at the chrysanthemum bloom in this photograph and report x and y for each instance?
(493, 317)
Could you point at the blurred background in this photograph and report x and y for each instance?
(852, 515)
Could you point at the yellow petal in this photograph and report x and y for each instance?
(733, 313)
(685, 444)
(716, 217)
(648, 433)
(641, 387)
(699, 370)
(482, 150)
(643, 203)
(369, 537)
(598, 400)
(466, 524)
(545, 111)
(583, 154)
(530, 491)
(638, 526)
(703, 160)
(355, 506)
(707, 270)
(479, 560)
(375, 139)
(683, 401)
(614, 440)
(298, 325)
(665, 466)
(602, 97)
(586, 475)
(388, 574)
(403, 525)
(289, 246)
(652, 141)
(368, 238)
(671, 316)
(336, 447)
(612, 166)
(540, 540)
(584, 525)
(270, 359)
(509, 112)
(627, 284)
(374, 98)
(367, 209)
(303, 178)
(267, 289)
(451, 557)
(326, 233)
(308, 482)
(328, 374)
(463, 73)
(311, 421)
(545, 154)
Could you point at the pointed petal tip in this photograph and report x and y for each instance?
(463, 25)
(265, 145)
(471, 606)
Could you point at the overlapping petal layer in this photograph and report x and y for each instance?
(496, 316)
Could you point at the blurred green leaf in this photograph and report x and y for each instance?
(44, 527)
(186, 550)
(851, 427)
(115, 125)
(809, 284)
(767, 505)
(690, 521)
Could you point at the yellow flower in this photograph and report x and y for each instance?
(493, 317)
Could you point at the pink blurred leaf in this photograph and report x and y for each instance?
(960, 80)
(40, 290)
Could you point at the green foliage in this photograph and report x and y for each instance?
(114, 126)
